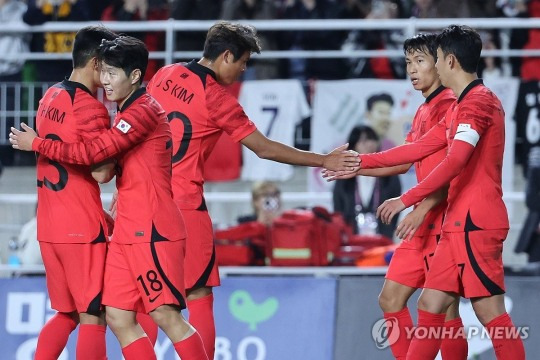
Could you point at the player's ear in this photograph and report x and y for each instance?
(228, 57)
(452, 61)
(135, 76)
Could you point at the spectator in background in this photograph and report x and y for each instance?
(41, 11)
(141, 10)
(12, 45)
(11, 65)
(530, 66)
(194, 10)
(261, 69)
(379, 67)
(266, 203)
(313, 68)
(357, 198)
(378, 116)
(518, 37)
(490, 67)
(425, 9)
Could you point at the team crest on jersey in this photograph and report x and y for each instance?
(123, 126)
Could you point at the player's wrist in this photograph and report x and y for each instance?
(36, 143)
(407, 199)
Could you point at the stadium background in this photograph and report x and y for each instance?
(315, 313)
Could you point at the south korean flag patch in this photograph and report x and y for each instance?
(123, 126)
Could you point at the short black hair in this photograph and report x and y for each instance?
(125, 52)
(379, 97)
(360, 131)
(87, 42)
(425, 42)
(237, 38)
(464, 43)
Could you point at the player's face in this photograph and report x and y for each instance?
(117, 86)
(380, 117)
(442, 67)
(232, 70)
(422, 72)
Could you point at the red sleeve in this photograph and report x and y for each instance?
(227, 114)
(135, 125)
(458, 156)
(92, 117)
(433, 141)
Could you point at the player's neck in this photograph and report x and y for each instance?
(207, 63)
(83, 76)
(121, 103)
(461, 81)
(431, 89)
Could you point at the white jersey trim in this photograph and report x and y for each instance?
(466, 133)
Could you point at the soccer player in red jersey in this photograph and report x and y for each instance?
(70, 221)
(420, 229)
(144, 267)
(468, 258)
(200, 109)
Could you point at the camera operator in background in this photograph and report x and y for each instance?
(266, 202)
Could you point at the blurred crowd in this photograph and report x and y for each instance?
(35, 12)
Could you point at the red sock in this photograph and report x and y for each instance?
(54, 336)
(454, 342)
(191, 348)
(426, 341)
(149, 326)
(404, 323)
(140, 349)
(91, 342)
(201, 317)
(505, 338)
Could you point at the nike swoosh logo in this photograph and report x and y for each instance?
(154, 298)
(459, 132)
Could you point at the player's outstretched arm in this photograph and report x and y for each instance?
(105, 146)
(330, 175)
(338, 160)
(433, 141)
(412, 221)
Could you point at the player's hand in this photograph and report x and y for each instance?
(388, 209)
(408, 226)
(22, 139)
(112, 208)
(330, 175)
(109, 220)
(341, 159)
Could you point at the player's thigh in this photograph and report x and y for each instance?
(480, 255)
(120, 289)
(407, 264)
(57, 284)
(488, 308)
(200, 260)
(444, 271)
(85, 267)
(157, 268)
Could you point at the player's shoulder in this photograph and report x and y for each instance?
(447, 95)
(481, 97)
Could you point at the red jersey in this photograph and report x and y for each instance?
(69, 204)
(473, 165)
(199, 110)
(141, 135)
(427, 116)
